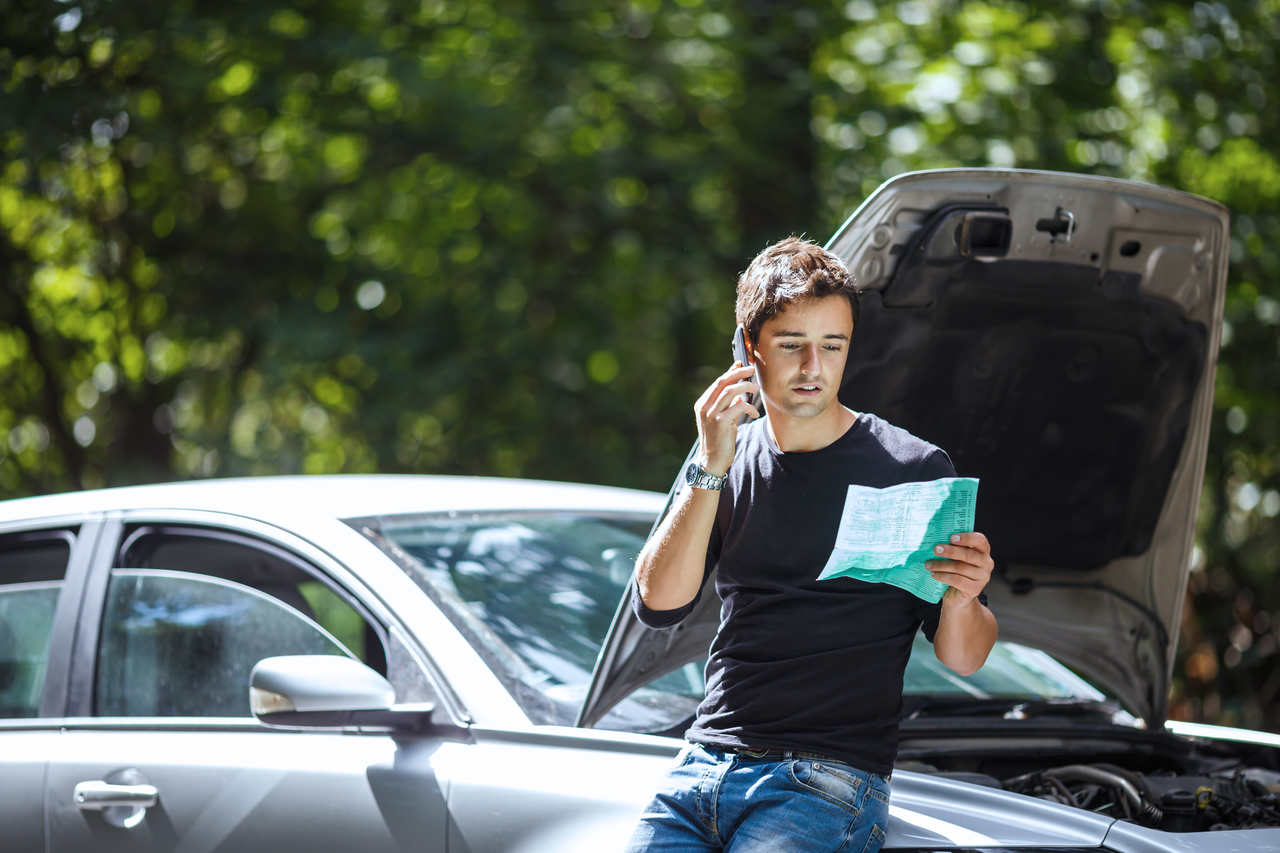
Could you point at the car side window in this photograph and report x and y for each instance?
(32, 568)
(190, 610)
(178, 644)
(258, 565)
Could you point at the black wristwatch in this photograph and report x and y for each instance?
(700, 478)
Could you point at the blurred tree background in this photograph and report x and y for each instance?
(501, 237)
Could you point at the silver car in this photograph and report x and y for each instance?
(448, 664)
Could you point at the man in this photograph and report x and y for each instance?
(793, 745)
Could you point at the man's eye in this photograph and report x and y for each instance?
(791, 346)
(833, 347)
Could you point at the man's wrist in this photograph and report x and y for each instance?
(715, 469)
(954, 599)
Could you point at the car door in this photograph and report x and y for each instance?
(160, 751)
(35, 582)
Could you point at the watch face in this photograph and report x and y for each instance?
(691, 472)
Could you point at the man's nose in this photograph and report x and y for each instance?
(809, 361)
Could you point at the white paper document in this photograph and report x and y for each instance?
(886, 535)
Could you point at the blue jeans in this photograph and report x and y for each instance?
(714, 800)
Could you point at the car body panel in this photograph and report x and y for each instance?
(243, 788)
(551, 790)
(24, 750)
(567, 770)
(927, 811)
(1131, 838)
(1226, 733)
(287, 498)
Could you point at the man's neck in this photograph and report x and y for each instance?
(802, 435)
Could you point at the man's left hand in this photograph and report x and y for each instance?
(965, 566)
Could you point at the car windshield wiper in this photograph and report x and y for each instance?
(1010, 708)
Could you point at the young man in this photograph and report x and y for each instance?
(794, 743)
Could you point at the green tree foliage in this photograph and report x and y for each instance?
(356, 235)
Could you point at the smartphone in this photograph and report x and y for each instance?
(740, 355)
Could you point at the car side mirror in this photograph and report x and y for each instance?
(327, 691)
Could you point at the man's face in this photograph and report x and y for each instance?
(801, 352)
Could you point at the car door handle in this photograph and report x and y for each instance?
(104, 795)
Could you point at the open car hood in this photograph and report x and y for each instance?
(1057, 335)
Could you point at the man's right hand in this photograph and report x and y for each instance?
(718, 411)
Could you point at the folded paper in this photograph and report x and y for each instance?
(886, 535)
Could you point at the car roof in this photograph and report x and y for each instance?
(338, 496)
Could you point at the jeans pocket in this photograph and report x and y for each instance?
(830, 783)
(875, 839)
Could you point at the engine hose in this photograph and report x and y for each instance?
(1085, 773)
(1065, 795)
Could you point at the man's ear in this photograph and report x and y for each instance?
(751, 348)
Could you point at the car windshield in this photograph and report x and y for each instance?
(535, 592)
(1011, 670)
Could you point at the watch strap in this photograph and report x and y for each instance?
(700, 478)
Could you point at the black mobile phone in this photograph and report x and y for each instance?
(740, 355)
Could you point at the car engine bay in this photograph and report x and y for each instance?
(1155, 779)
(1242, 798)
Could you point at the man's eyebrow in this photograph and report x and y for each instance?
(786, 333)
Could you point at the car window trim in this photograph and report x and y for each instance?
(80, 537)
(377, 522)
(63, 532)
(91, 592)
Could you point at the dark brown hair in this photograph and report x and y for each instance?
(789, 271)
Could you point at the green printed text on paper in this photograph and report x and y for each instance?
(886, 535)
